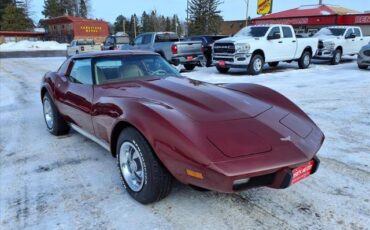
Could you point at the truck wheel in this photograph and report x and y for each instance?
(53, 119)
(362, 66)
(256, 65)
(337, 57)
(189, 66)
(273, 64)
(305, 60)
(143, 175)
(222, 69)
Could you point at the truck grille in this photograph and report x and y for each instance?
(223, 48)
(321, 45)
(367, 53)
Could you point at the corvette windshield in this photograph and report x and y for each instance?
(115, 69)
(253, 31)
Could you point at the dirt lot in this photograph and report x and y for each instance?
(72, 183)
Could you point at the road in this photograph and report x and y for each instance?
(69, 182)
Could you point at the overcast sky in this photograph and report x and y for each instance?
(231, 9)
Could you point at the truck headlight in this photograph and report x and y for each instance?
(242, 48)
(329, 45)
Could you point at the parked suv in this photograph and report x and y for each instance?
(116, 42)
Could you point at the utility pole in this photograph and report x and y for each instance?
(124, 25)
(247, 13)
(187, 17)
(320, 2)
(134, 26)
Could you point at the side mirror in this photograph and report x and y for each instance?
(274, 36)
(351, 36)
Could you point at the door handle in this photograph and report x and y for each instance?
(294, 41)
(280, 41)
(361, 39)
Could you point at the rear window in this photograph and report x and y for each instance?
(167, 37)
(122, 40)
(85, 42)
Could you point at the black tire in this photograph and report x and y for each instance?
(189, 67)
(305, 60)
(336, 59)
(59, 126)
(362, 66)
(251, 68)
(273, 64)
(222, 69)
(157, 180)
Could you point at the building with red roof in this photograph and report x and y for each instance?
(308, 19)
(67, 28)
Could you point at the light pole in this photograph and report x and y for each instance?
(247, 15)
(187, 17)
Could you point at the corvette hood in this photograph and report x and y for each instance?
(201, 101)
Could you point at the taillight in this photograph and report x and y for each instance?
(174, 49)
(82, 48)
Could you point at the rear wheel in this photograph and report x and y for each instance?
(222, 69)
(53, 119)
(143, 175)
(189, 67)
(362, 66)
(337, 57)
(273, 64)
(256, 65)
(305, 60)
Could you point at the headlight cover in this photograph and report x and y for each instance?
(329, 45)
(242, 48)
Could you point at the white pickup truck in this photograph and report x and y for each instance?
(82, 46)
(253, 46)
(336, 41)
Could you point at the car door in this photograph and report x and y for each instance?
(74, 91)
(349, 43)
(359, 40)
(289, 43)
(275, 45)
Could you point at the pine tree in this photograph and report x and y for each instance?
(168, 24)
(145, 22)
(118, 24)
(15, 19)
(3, 5)
(133, 26)
(83, 9)
(52, 8)
(205, 17)
(176, 25)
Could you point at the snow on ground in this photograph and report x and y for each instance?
(32, 46)
(71, 182)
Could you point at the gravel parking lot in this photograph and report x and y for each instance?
(70, 182)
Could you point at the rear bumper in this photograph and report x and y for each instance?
(185, 59)
(233, 61)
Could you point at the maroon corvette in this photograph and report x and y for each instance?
(161, 125)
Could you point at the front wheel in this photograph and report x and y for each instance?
(53, 119)
(256, 65)
(337, 57)
(189, 67)
(305, 60)
(362, 66)
(143, 175)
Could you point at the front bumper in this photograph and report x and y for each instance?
(363, 60)
(187, 59)
(324, 53)
(241, 60)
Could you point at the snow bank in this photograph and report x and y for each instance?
(32, 46)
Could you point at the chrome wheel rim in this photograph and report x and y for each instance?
(48, 113)
(131, 165)
(306, 60)
(257, 65)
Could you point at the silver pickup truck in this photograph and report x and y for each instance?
(169, 46)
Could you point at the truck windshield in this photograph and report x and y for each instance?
(122, 40)
(253, 31)
(85, 42)
(123, 68)
(330, 32)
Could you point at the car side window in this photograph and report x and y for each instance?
(147, 39)
(357, 32)
(349, 32)
(139, 40)
(81, 72)
(276, 29)
(287, 32)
